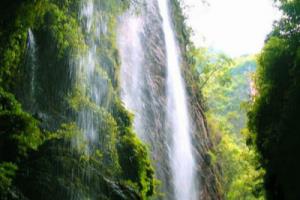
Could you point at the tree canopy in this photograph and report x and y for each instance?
(274, 116)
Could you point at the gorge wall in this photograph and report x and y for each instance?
(64, 67)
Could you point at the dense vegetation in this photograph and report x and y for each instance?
(43, 149)
(274, 116)
(266, 154)
(225, 84)
(43, 153)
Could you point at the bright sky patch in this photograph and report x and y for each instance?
(236, 27)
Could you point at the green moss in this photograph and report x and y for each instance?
(19, 131)
(135, 164)
(123, 118)
(7, 174)
(212, 157)
(19, 135)
(63, 29)
(136, 168)
(13, 42)
(54, 155)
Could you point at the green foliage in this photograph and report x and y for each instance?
(19, 131)
(19, 135)
(60, 160)
(75, 174)
(274, 114)
(135, 164)
(53, 155)
(225, 85)
(123, 118)
(62, 29)
(212, 66)
(7, 173)
(287, 26)
(183, 32)
(11, 57)
(241, 178)
(133, 155)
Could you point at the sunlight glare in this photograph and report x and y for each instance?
(235, 27)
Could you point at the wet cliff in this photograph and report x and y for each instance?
(144, 90)
(66, 129)
(210, 175)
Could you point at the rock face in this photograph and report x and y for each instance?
(74, 138)
(71, 137)
(209, 175)
(144, 92)
(143, 89)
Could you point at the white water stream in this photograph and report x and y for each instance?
(181, 157)
(32, 60)
(132, 55)
(182, 182)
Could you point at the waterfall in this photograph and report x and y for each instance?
(87, 64)
(142, 83)
(92, 79)
(132, 55)
(32, 62)
(181, 157)
(153, 89)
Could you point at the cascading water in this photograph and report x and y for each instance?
(87, 63)
(150, 61)
(27, 93)
(94, 83)
(76, 53)
(142, 83)
(132, 56)
(181, 157)
(32, 62)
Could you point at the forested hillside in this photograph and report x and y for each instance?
(274, 116)
(226, 87)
